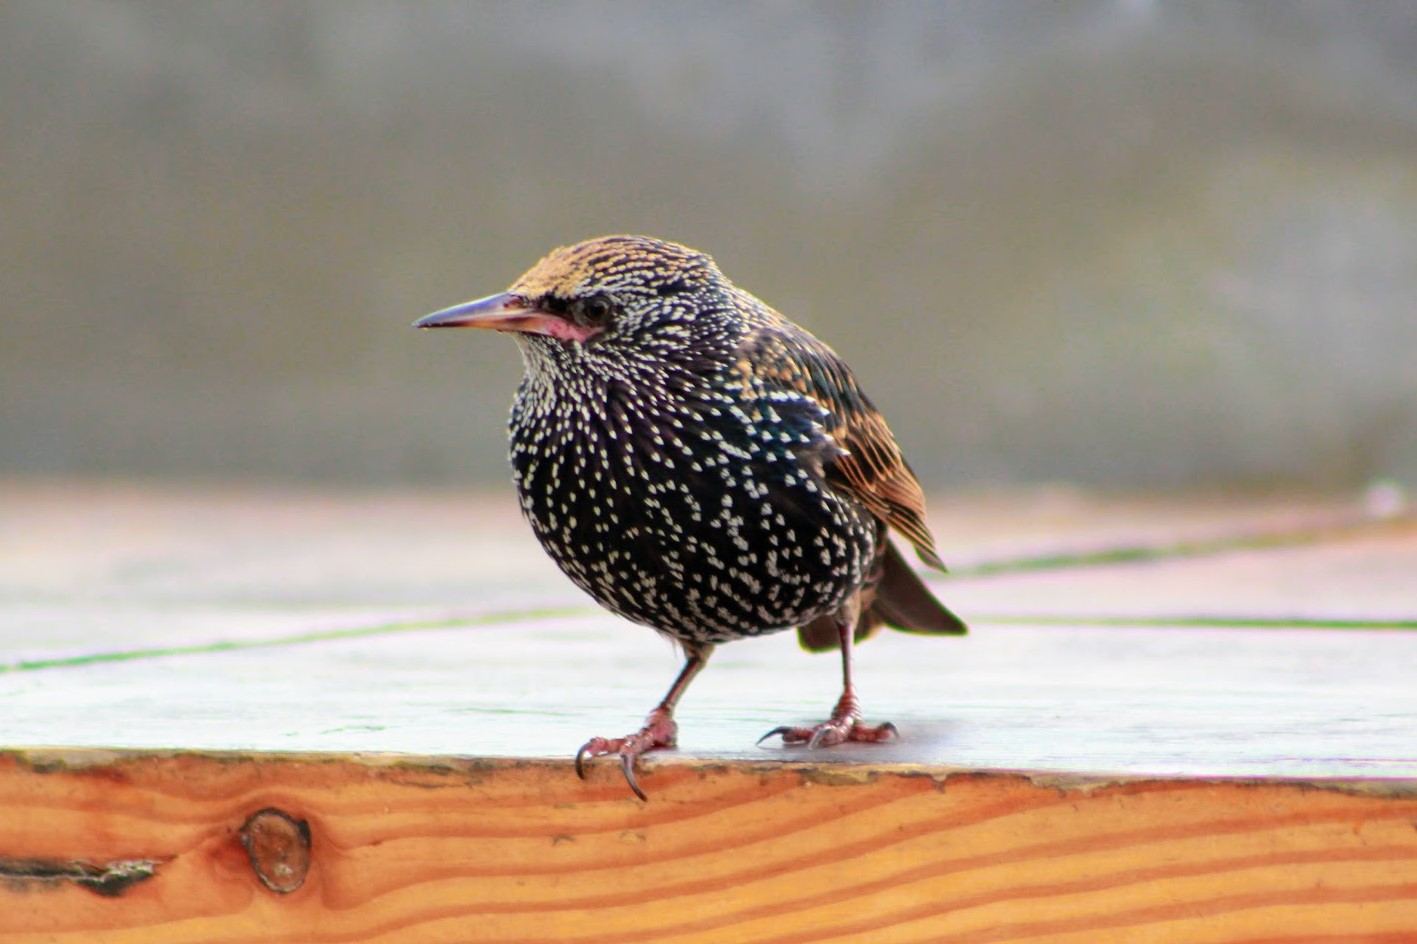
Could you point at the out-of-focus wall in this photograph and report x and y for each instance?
(1127, 243)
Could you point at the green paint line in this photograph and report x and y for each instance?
(1144, 553)
(294, 639)
(519, 616)
(1198, 622)
(1114, 555)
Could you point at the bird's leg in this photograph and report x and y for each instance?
(659, 729)
(845, 722)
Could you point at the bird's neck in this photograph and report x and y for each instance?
(560, 375)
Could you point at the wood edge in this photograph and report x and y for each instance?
(72, 760)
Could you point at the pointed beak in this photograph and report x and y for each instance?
(506, 312)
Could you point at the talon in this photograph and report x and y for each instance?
(627, 764)
(839, 729)
(580, 759)
(657, 733)
(782, 729)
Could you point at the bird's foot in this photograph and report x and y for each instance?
(844, 725)
(659, 731)
(833, 732)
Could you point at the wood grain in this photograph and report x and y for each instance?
(403, 849)
(133, 620)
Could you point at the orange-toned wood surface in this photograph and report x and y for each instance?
(505, 851)
(261, 715)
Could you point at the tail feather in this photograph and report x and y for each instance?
(903, 601)
(898, 599)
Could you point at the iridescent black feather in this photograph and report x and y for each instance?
(702, 465)
(697, 463)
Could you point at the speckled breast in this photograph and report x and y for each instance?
(699, 529)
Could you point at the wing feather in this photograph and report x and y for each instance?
(867, 463)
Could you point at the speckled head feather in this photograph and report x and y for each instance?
(636, 265)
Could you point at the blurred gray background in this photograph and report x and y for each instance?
(1116, 243)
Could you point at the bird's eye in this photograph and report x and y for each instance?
(593, 312)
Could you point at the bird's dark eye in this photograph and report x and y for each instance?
(593, 311)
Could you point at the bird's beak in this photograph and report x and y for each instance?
(505, 312)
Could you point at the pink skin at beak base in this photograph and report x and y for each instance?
(506, 312)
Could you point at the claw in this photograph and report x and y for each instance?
(838, 730)
(780, 729)
(580, 758)
(627, 764)
(658, 732)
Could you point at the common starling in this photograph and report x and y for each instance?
(699, 464)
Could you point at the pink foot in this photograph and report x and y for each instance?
(659, 731)
(844, 725)
(833, 732)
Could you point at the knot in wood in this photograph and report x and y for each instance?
(278, 846)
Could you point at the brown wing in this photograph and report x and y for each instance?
(867, 463)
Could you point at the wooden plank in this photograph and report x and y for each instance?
(107, 567)
(44, 632)
(1080, 699)
(1198, 702)
(1363, 575)
(66, 543)
(1168, 784)
(149, 848)
(76, 542)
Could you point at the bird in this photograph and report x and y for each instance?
(701, 465)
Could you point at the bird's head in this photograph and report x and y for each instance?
(611, 296)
